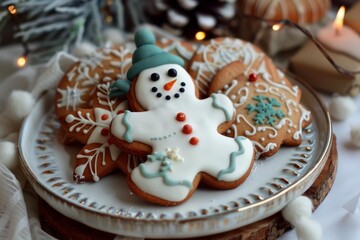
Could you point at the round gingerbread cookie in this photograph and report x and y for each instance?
(182, 131)
(75, 90)
(268, 109)
(213, 55)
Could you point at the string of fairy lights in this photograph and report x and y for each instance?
(22, 60)
(279, 24)
(275, 25)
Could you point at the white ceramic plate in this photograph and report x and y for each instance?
(109, 206)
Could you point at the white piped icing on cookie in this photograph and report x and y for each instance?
(94, 125)
(82, 78)
(268, 87)
(217, 54)
(264, 93)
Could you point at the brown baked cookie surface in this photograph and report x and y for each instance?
(77, 87)
(268, 109)
(215, 54)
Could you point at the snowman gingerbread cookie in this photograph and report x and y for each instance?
(179, 133)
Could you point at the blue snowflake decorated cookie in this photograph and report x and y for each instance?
(178, 133)
(268, 109)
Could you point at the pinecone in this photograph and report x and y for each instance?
(187, 17)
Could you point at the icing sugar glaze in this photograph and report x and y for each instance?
(183, 135)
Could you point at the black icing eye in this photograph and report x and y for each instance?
(155, 77)
(172, 72)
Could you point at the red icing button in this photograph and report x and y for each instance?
(104, 117)
(252, 77)
(104, 131)
(187, 129)
(194, 141)
(110, 141)
(180, 117)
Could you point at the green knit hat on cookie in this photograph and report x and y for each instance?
(148, 55)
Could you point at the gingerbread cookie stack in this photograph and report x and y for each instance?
(170, 124)
(85, 109)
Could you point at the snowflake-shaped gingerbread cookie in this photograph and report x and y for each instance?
(90, 126)
(85, 111)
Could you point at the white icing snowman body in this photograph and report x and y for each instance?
(182, 131)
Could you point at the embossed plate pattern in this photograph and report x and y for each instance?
(109, 206)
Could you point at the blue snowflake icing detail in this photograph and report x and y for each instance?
(266, 112)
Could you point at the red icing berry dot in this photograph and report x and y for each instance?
(252, 77)
(194, 141)
(180, 117)
(120, 112)
(104, 117)
(104, 131)
(187, 129)
(110, 141)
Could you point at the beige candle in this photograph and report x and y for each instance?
(340, 38)
(343, 45)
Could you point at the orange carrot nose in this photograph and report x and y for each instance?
(169, 85)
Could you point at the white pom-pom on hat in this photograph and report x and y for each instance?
(8, 153)
(355, 135)
(341, 107)
(298, 213)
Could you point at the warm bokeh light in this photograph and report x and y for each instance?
(339, 20)
(12, 9)
(276, 27)
(200, 36)
(21, 61)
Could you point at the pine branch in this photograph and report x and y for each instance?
(61, 24)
